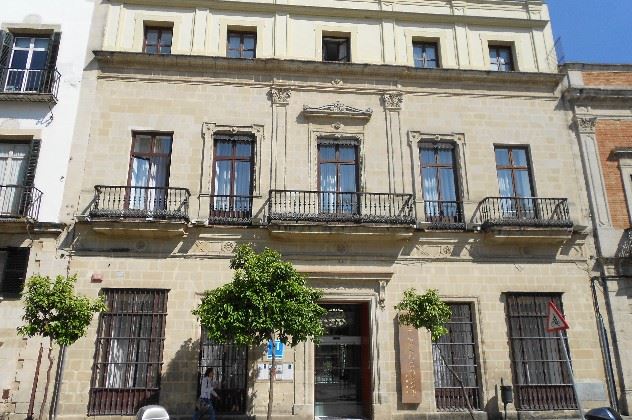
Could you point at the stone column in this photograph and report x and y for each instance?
(280, 98)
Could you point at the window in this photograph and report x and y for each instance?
(158, 40)
(230, 368)
(457, 350)
(241, 45)
(514, 182)
(426, 55)
(500, 58)
(18, 161)
(13, 265)
(439, 183)
(233, 175)
(27, 62)
(148, 179)
(541, 377)
(338, 175)
(128, 355)
(336, 49)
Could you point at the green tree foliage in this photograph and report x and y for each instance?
(267, 300)
(53, 310)
(424, 311)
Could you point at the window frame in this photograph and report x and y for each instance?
(424, 44)
(565, 400)
(149, 155)
(339, 162)
(513, 168)
(158, 44)
(436, 146)
(497, 48)
(241, 34)
(126, 400)
(340, 39)
(15, 261)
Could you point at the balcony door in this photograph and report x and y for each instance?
(149, 172)
(338, 178)
(13, 166)
(232, 176)
(439, 185)
(514, 183)
(27, 66)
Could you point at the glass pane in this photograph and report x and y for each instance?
(242, 178)
(243, 149)
(19, 59)
(328, 177)
(445, 156)
(41, 43)
(22, 42)
(523, 184)
(151, 36)
(417, 51)
(165, 39)
(326, 153)
(343, 54)
(502, 157)
(223, 148)
(248, 54)
(431, 52)
(249, 42)
(234, 41)
(142, 144)
(347, 153)
(519, 157)
(430, 184)
(347, 181)
(151, 49)
(505, 185)
(427, 156)
(165, 50)
(163, 144)
(38, 60)
(448, 190)
(222, 177)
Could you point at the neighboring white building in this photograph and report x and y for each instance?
(43, 46)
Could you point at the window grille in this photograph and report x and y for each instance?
(459, 351)
(129, 350)
(540, 373)
(229, 363)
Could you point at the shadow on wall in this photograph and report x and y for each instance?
(178, 386)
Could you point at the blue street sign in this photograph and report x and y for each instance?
(279, 349)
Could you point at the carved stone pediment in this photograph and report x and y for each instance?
(337, 109)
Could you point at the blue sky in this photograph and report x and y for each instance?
(594, 31)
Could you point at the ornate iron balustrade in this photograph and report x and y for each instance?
(25, 81)
(18, 201)
(140, 202)
(624, 250)
(230, 210)
(444, 214)
(356, 207)
(524, 211)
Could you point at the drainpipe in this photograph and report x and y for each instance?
(52, 414)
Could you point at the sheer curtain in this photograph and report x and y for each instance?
(13, 163)
(328, 184)
(242, 186)
(139, 180)
(505, 187)
(222, 184)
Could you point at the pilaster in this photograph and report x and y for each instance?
(280, 98)
(392, 102)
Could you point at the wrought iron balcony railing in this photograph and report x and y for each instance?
(525, 212)
(27, 81)
(230, 210)
(624, 250)
(324, 206)
(18, 201)
(444, 214)
(140, 202)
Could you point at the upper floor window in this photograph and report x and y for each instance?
(514, 171)
(500, 58)
(27, 62)
(336, 49)
(241, 45)
(338, 175)
(426, 55)
(439, 182)
(158, 40)
(150, 159)
(233, 169)
(13, 267)
(18, 162)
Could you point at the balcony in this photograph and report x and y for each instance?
(340, 207)
(19, 201)
(524, 212)
(230, 210)
(444, 215)
(124, 202)
(26, 85)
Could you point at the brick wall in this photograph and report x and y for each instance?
(607, 78)
(610, 135)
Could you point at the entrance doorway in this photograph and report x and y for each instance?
(342, 372)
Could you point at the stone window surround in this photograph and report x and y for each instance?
(346, 30)
(232, 25)
(144, 20)
(323, 135)
(436, 36)
(624, 156)
(531, 166)
(507, 40)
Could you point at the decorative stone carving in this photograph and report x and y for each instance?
(336, 82)
(337, 109)
(586, 124)
(228, 247)
(280, 96)
(337, 125)
(393, 101)
(382, 295)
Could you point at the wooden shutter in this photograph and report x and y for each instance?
(29, 177)
(6, 45)
(53, 51)
(15, 271)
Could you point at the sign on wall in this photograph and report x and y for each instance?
(410, 373)
(279, 349)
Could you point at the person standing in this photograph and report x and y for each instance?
(206, 405)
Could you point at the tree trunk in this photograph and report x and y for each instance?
(272, 377)
(458, 379)
(50, 367)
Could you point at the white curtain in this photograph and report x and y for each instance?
(13, 164)
(431, 192)
(328, 183)
(140, 178)
(222, 184)
(242, 185)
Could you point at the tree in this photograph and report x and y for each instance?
(266, 301)
(430, 312)
(53, 310)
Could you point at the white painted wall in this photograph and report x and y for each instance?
(56, 125)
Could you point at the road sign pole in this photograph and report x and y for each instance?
(570, 369)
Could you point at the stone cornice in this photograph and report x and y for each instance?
(598, 94)
(623, 67)
(124, 64)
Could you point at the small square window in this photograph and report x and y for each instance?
(426, 55)
(158, 40)
(500, 58)
(336, 49)
(241, 45)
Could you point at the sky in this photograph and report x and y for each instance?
(593, 31)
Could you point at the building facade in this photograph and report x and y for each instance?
(601, 99)
(42, 52)
(377, 146)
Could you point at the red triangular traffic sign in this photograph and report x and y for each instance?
(555, 320)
